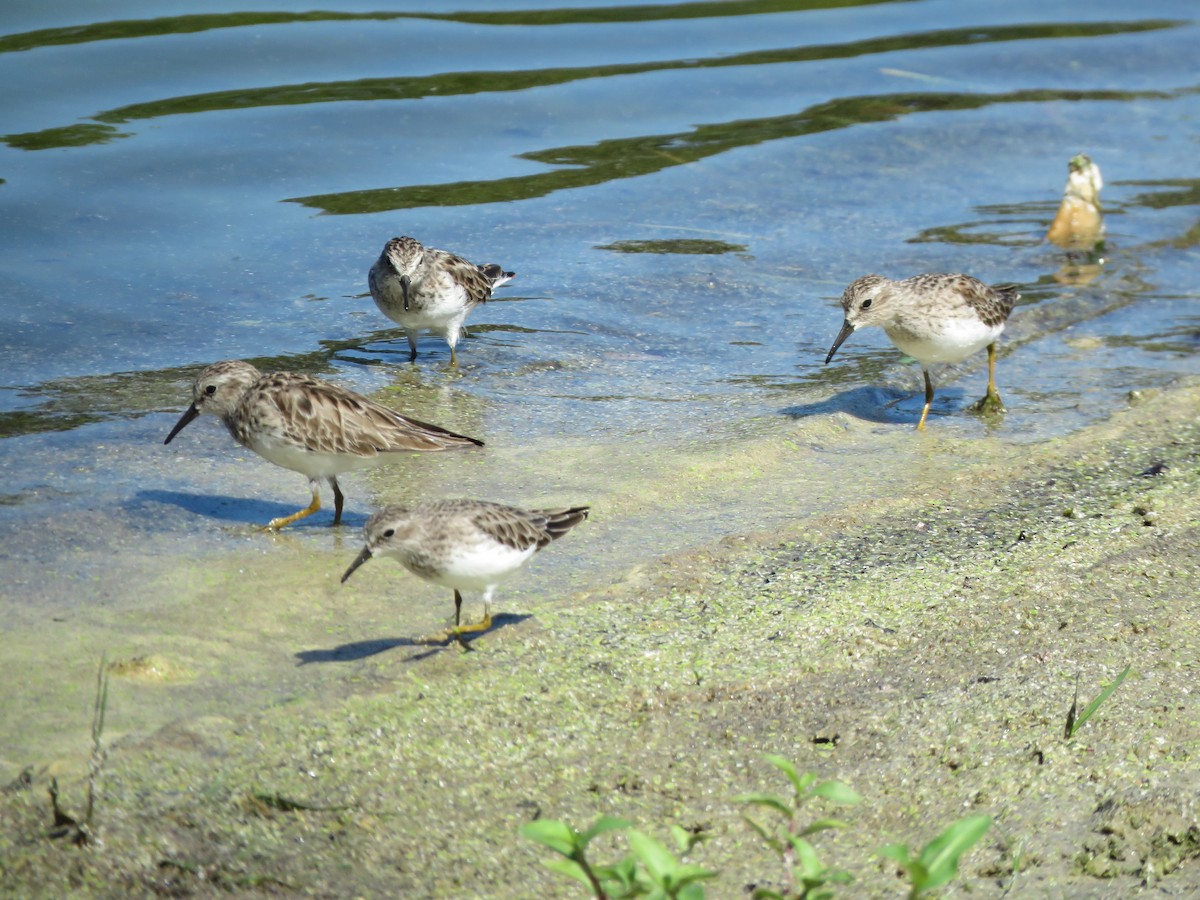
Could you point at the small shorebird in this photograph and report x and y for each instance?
(308, 425)
(464, 545)
(420, 287)
(1079, 223)
(934, 319)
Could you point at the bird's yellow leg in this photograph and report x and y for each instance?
(458, 630)
(276, 524)
(991, 402)
(482, 625)
(928, 400)
(455, 632)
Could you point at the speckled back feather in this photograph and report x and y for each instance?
(519, 529)
(477, 281)
(324, 418)
(992, 305)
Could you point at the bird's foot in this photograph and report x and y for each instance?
(482, 625)
(455, 633)
(989, 405)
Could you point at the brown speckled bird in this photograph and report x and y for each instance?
(421, 287)
(934, 319)
(464, 544)
(308, 425)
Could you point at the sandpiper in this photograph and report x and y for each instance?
(934, 319)
(308, 425)
(464, 545)
(420, 287)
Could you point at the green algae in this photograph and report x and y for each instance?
(920, 644)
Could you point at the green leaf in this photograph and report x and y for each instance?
(685, 839)
(822, 825)
(691, 891)
(768, 800)
(624, 873)
(897, 852)
(686, 874)
(570, 868)
(602, 825)
(940, 856)
(1095, 704)
(765, 894)
(558, 836)
(836, 792)
(799, 782)
(919, 876)
(807, 861)
(654, 856)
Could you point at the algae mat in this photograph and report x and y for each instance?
(924, 648)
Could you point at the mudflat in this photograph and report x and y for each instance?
(923, 647)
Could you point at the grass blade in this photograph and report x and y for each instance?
(1091, 708)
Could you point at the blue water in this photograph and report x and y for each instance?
(189, 183)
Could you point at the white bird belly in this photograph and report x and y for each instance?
(481, 565)
(955, 341)
(314, 464)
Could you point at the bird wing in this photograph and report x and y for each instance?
(474, 279)
(991, 304)
(510, 526)
(557, 522)
(325, 418)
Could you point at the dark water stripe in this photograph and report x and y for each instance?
(614, 160)
(461, 83)
(125, 29)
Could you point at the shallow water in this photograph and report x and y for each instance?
(683, 189)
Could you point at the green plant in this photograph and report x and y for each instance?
(1073, 723)
(648, 870)
(937, 863)
(807, 878)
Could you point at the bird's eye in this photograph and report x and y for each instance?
(210, 389)
(389, 532)
(866, 304)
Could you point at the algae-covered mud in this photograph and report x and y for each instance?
(923, 645)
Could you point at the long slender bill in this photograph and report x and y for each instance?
(358, 561)
(191, 413)
(847, 330)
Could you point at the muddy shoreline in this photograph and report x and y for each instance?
(923, 647)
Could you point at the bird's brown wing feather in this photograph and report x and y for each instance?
(557, 522)
(330, 419)
(991, 304)
(474, 280)
(512, 527)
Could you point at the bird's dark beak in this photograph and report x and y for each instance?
(191, 413)
(847, 330)
(405, 281)
(358, 561)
